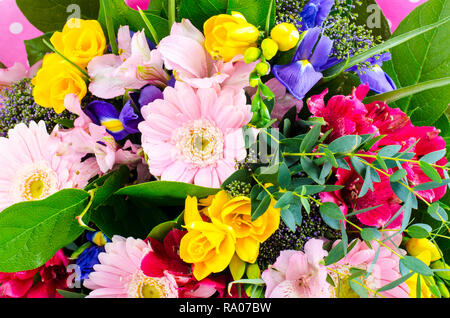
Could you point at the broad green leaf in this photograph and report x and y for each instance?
(285, 200)
(284, 176)
(288, 219)
(129, 216)
(160, 231)
(198, 11)
(434, 156)
(51, 15)
(337, 253)
(121, 14)
(395, 283)
(255, 11)
(32, 232)
(310, 139)
(409, 91)
(166, 193)
(422, 59)
(68, 294)
(437, 212)
(398, 175)
(36, 49)
(262, 208)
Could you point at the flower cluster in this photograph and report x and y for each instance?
(225, 155)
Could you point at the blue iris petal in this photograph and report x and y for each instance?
(315, 12)
(298, 77)
(105, 114)
(304, 71)
(129, 119)
(149, 94)
(87, 259)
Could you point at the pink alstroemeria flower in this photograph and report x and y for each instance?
(183, 51)
(136, 66)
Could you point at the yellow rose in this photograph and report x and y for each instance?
(80, 41)
(209, 246)
(229, 35)
(55, 80)
(236, 213)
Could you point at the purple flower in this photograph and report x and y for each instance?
(305, 69)
(122, 124)
(373, 75)
(315, 12)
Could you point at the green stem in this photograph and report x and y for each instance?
(393, 96)
(171, 13)
(110, 27)
(79, 218)
(149, 26)
(65, 58)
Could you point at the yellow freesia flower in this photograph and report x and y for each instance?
(227, 36)
(56, 79)
(236, 213)
(80, 41)
(416, 247)
(209, 246)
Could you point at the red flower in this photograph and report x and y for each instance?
(52, 276)
(165, 259)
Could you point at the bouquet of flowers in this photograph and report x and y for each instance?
(226, 148)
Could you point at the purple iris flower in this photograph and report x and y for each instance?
(374, 76)
(305, 69)
(315, 12)
(125, 123)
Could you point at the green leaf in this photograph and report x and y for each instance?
(255, 11)
(237, 267)
(242, 175)
(310, 139)
(419, 230)
(409, 91)
(285, 200)
(358, 287)
(198, 11)
(51, 15)
(389, 151)
(416, 265)
(337, 253)
(424, 58)
(32, 232)
(36, 49)
(437, 212)
(288, 219)
(345, 144)
(430, 171)
(368, 234)
(284, 176)
(332, 211)
(434, 156)
(129, 216)
(395, 283)
(68, 294)
(398, 175)
(106, 187)
(166, 193)
(160, 231)
(311, 169)
(121, 14)
(262, 208)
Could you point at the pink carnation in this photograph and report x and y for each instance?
(52, 276)
(195, 136)
(298, 274)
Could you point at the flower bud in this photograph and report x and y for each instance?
(286, 35)
(443, 289)
(251, 55)
(269, 48)
(262, 68)
(417, 246)
(441, 265)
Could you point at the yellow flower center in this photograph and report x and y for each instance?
(34, 182)
(142, 286)
(199, 142)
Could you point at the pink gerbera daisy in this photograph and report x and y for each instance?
(195, 135)
(119, 273)
(33, 169)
